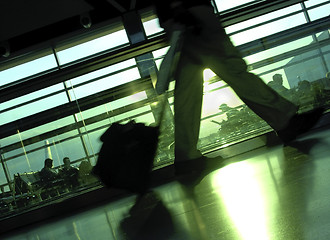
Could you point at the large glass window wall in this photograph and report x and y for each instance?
(66, 119)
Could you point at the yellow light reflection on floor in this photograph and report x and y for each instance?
(241, 193)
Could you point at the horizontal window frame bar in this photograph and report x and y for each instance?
(236, 15)
(86, 122)
(283, 37)
(71, 108)
(292, 53)
(76, 126)
(67, 89)
(292, 64)
(81, 68)
(266, 22)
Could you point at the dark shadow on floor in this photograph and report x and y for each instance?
(305, 146)
(148, 219)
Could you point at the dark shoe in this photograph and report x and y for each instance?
(193, 171)
(300, 124)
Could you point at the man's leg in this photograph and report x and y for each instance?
(277, 111)
(216, 51)
(189, 161)
(262, 99)
(188, 98)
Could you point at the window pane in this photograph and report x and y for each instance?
(310, 69)
(33, 107)
(159, 55)
(227, 4)
(101, 72)
(19, 165)
(319, 12)
(310, 3)
(269, 53)
(92, 47)
(111, 106)
(326, 52)
(152, 27)
(262, 19)
(35, 132)
(306, 65)
(51, 126)
(104, 83)
(27, 69)
(3, 179)
(31, 156)
(31, 96)
(33, 160)
(268, 29)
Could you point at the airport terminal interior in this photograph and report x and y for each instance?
(69, 69)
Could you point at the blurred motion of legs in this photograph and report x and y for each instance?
(206, 45)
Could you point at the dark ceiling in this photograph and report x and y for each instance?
(24, 24)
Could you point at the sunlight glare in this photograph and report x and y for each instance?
(241, 193)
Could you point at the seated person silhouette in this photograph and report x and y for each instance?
(69, 173)
(277, 85)
(47, 173)
(304, 87)
(230, 112)
(49, 180)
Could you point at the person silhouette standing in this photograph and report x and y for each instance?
(205, 44)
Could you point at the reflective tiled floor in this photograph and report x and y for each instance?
(268, 193)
